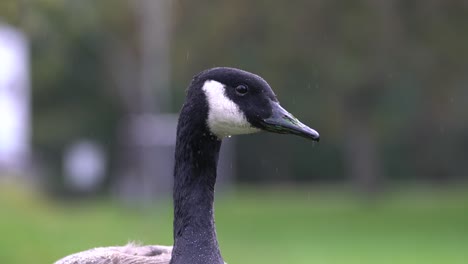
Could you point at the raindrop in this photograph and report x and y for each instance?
(442, 129)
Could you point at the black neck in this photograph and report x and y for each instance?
(196, 160)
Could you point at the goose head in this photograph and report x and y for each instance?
(240, 102)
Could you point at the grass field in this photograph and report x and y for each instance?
(254, 226)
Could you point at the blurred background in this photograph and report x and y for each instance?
(89, 95)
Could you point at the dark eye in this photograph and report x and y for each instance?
(242, 89)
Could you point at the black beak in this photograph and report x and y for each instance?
(281, 121)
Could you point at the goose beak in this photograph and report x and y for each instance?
(282, 122)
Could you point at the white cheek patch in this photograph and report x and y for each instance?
(224, 116)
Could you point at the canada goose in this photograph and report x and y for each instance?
(220, 102)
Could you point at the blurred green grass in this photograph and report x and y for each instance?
(255, 225)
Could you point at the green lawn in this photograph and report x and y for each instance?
(254, 226)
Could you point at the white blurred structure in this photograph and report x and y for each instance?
(84, 165)
(14, 100)
(147, 167)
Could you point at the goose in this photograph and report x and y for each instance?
(220, 102)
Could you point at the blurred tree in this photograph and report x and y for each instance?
(358, 68)
(383, 81)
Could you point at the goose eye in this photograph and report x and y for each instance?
(242, 89)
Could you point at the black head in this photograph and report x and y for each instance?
(241, 102)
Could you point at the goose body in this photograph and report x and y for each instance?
(220, 102)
